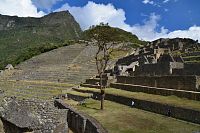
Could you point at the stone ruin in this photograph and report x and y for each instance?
(32, 116)
(156, 59)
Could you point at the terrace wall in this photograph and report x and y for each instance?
(158, 91)
(192, 69)
(190, 83)
(164, 68)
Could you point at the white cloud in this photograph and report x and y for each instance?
(193, 33)
(166, 10)
(45, 4)
(93, 14)
(22, 8)
(148, 2)
(166, 1)
(147, 31)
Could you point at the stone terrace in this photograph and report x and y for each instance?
(67, 64)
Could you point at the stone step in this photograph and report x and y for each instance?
(89, 85)
(78, 96)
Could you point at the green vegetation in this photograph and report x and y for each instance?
(171, 100)
(117, 118)
(118, 53)
(33, 89)
(23, 38)
(79, 94)
(115, 34)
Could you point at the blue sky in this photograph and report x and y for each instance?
(148, 19)
(175, 14)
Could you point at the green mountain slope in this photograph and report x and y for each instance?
(22, 38)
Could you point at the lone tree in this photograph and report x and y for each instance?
(104, 37)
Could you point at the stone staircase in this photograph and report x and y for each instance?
(95, 81)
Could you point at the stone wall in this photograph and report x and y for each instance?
(158, 91)
(157, 69)
(152, 69)
(80, 122)
(176, 65)
(192, 69)
(7, 127)
(190, 83)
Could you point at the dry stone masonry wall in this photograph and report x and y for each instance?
(190, 83)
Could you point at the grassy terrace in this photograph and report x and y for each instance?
(117, 118)
(191, 57)
(172, 100)
(193, 61)
(33, 89)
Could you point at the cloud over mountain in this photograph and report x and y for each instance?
(45, 4)
(22, 8)
(93, 14)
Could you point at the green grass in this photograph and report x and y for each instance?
(117, 53)
(117, 118)
(192, 57)
(193, 61)
(33, 89)
(171, 100)
(79, 93)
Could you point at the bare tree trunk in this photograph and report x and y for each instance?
(102, 92)
(102, 98)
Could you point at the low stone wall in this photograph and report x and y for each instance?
(96, 81)
(76, 97)
(80, 122)
(164, 109)
(190, 83)
(7, 127)
(158, 91)
(153, 69)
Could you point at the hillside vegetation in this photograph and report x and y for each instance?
(116, 34)
(23, 38)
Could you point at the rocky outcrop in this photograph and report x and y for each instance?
(32, 116)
